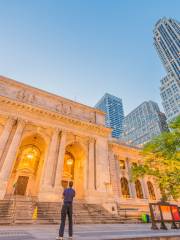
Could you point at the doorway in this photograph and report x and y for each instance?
(21, 185)
(73, 170)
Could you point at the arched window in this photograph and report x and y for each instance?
(139, 192)
(122, 164)
(69, 162)
(151, 191)
(28, 158)
(125, 187)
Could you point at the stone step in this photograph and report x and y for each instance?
(21, 211)
(6, 212)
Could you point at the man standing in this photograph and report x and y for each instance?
(68, 196)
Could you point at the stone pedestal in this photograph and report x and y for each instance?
(49, 194)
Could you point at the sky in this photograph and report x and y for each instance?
(80, 49)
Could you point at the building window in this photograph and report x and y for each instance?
(134, 164)
(139, 192)
(125, 188)
(151, 191)
(122, 164)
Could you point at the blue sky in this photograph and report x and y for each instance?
(81, 49)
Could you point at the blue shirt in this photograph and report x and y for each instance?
(68, 194)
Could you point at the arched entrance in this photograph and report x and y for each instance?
(139, 191)
(74, 160)
(125, 188)
(152, 194)
(25, 176)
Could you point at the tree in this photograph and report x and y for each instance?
(161, 159)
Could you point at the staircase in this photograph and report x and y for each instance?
(82, 213)
(23, 210)
(6, 211)
(48, 212)
(93, 213)
(20, 211)
(17, 210)
(130, 214)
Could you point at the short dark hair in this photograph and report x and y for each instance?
(70, 183)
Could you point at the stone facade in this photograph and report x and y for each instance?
(47, 140)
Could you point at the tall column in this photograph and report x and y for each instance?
(144, 187)
(5, 134)
(10, 158)
(133, 189)
(51, 159)
(102, 165)
(115, 175)
(131, 184)
(60, 163)
(91, 166)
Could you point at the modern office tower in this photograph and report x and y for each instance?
(113, 108)
(170, 94)
(144, 123)
(167, 43)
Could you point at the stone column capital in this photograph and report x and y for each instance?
(91, 139)
(21, 121)
(12, 119)
(56, 130)
(63, 131)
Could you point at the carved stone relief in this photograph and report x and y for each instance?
(24, 96)
(28, 96)
(3, 91)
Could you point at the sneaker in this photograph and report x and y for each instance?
(70, 238)
(59, 238)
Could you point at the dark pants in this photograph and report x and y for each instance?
(66, 210)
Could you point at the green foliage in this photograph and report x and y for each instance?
(161, 159)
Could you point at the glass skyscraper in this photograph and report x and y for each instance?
(167, 43)
(113, 108)
(170, 94)
(143, 123)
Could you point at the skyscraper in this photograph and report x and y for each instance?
(113, 108)
(167, 43)
(170, 94)
(143, 123)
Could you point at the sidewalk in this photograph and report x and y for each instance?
(87, 232)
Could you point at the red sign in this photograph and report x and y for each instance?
(175, 213)
(166, 212)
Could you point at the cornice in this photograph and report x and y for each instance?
(19, 106)
(41, 92)
(124, 146)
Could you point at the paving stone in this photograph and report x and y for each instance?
(15, 235)
(89, 232)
